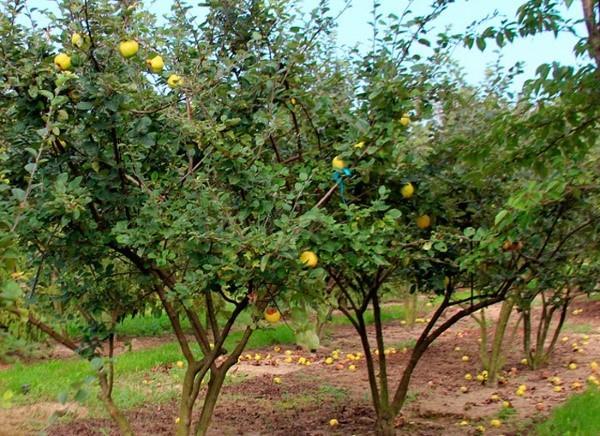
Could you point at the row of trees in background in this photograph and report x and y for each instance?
(123, 190)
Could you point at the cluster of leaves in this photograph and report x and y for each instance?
(127, 195)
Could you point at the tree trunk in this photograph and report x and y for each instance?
(116, 414)
(186, 404)
(591, 22)
(410, 304)
(385, 425)
(496, 354)
(210, 401)
(527, 337)
(484, 355)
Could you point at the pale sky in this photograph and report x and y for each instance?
(354, 29)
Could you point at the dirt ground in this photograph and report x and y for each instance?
(308, 396)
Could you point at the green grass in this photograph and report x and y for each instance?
(408, 343)
(579, 416)
(46, 380)
(135, 382)
(388, 313)
(148, 325)
(578, 328)
(506, 413)
(326, 393)
(333, 393)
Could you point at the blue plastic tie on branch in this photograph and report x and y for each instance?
(338, 177)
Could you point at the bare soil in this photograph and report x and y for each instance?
(310, 395)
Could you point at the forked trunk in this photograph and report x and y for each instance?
(385, 425)
(210, 400)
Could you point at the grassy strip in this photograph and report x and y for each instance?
(579, 416)
(45, 381)
(135, 382)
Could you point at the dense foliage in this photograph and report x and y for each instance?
(186, 166)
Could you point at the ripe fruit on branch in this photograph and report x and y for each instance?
(174, 81)
(423, 221)
(156, 64)
(62, 61)
(405, 120)
(272, 315)
(407, 190)
(128, 48)
(309, 259)
(77, 40)
(337, 163)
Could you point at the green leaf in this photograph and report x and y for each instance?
(480, 43)
(62, 397)
(469, 231)
(81, 395)
(500, 216)
(19, 194)
(264, 261)
(440, 246)
(96, 363)
(84, 105)
(11, 291)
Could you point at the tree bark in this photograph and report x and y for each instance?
(496, 355)
(210, 401)
(593, 29)
(113, 410)
(385, 425)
